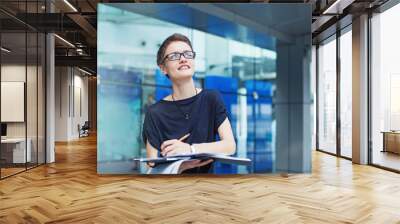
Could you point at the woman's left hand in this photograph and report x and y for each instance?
(174, 147)
(192, 164)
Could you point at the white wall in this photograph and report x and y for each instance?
(61, 103)
(14, 72)
(17, 73)
(33, 126)
(79, 117)
(71, 94)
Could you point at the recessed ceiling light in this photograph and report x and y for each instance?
(86, 72)
(337, 7)
(64, 40)
(5, 50)
(70, 5)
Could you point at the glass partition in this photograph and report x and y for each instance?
(385, 89)
(14, 153)
(22, 90)
(327, 96)
(31, 100)
(346, 93)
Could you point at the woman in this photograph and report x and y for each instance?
(188, 120)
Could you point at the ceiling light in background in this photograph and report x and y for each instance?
(78, 43)
(84, 71)
(5, 50)
(80, 51)
(65, 41)
(337, 7)
(70, 5)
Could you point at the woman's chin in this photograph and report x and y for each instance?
(183, 75)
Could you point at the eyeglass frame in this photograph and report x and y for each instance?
(180, 55)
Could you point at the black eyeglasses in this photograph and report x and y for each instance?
(174, 56)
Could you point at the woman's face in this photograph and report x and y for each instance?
(178, 69)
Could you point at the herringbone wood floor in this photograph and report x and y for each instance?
(70, 191)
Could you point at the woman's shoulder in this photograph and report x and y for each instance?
(212, 94)
(154, 108)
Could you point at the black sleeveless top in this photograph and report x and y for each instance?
(166, 120)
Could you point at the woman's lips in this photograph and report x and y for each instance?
(183, 67)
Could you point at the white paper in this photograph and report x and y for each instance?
(167, 168)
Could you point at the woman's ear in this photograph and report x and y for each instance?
(163, 69)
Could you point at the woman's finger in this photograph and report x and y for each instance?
(172, 152)
(172, 141)
(205, 162)
(167, 150)
(188, 165)
(198, 163)
(167, 143)
(192, 163)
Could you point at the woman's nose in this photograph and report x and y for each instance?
(182, 59)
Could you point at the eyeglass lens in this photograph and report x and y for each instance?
(177, 56)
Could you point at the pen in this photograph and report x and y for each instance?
(181, 139)
(184, 137)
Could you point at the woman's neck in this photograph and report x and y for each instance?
(183, 90)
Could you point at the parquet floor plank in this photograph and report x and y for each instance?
(70, 191)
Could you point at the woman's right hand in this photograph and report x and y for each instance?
(192, 164)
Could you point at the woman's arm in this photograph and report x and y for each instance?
(226, 145)
(151, 152)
